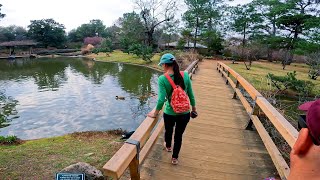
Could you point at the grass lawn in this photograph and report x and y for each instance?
(119, 56)
(259, 70)
(41, 159)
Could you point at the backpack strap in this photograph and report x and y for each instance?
(171, 81)
(182, 74)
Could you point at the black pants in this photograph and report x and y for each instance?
(180, 121)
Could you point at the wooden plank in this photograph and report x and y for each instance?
(119, 162)
(151, 141)
(248, 87)
(288, 132)
(276, 156)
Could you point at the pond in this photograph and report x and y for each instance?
(50, 97)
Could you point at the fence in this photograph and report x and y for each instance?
(287, 131)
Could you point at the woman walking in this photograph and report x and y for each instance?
(170, 115)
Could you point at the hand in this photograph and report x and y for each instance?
(152, 114)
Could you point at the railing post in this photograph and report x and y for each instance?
(134, 169)
(134, 164)
(255, 111)
(235, 93)
(227, 82)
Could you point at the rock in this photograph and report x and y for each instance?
(91, 172)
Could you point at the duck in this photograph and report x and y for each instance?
(120, 98)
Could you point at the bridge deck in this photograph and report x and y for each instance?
(215, 145)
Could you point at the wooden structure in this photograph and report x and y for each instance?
(216, 144)
(12, 44)
(133, 153)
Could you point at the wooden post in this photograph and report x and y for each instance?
(235, 93)
(255, 111)
(134, 169)
(227, 82)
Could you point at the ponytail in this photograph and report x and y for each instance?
(178, 79)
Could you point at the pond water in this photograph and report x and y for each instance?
(51, 97)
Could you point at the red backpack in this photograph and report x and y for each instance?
(179, 100)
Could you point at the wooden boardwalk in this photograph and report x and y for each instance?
(215, 145)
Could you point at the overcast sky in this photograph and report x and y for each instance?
(71, 13)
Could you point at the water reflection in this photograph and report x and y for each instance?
(63, 95)
(7, 109)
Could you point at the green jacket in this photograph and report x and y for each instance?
(165, 91)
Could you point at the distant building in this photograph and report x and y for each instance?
(174, 45)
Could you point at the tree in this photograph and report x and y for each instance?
(113, 32)
(1, 14)
(270, 11)
(48, 32)
(132, 30)
(300, 18)
(195, 16)
(187, 36)
(213, 40)
(13, 33)
(153, 14)
(94, 28)
(246, 21)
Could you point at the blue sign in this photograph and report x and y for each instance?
(70, 176)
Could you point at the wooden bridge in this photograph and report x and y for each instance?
(216, 145)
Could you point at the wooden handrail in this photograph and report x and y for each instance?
(147, 134)
(287, 131)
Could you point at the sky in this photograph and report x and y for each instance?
(71, 13)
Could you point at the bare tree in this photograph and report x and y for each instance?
(313, 60)
(154, 13)
(287, 57)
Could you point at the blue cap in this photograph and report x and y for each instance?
(167, 59)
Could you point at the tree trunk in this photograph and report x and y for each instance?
(196, 34)
(150, 38)
(274, 27)
(244, 36)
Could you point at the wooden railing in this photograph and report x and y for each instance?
(134, 152)
(287, 131)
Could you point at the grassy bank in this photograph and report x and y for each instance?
(287, 105)
(119, 56)
(41, 159)
(259, 70)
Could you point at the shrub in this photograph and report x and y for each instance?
(106, 47)
(283, 83)
(8, 139)
(56, 51)
(142, 51)
(93, 40)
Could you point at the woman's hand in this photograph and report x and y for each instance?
(153, 114)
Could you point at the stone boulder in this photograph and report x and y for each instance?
(91, 172)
